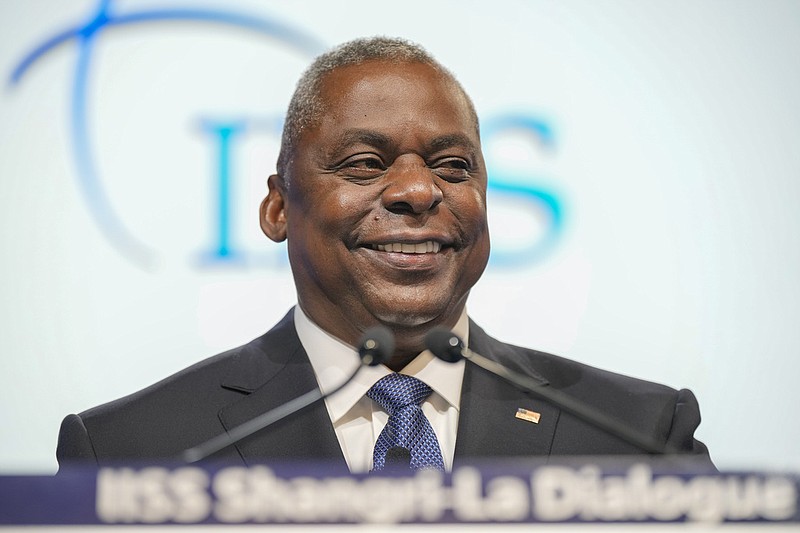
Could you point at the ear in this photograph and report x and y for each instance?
(272, 214)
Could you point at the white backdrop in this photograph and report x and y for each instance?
(663, 133)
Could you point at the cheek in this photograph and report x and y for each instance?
(469, 208)
(331, 211)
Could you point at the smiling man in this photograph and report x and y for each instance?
(380, 194)
(383, 201)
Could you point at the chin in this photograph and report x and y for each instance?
(410, 319)
(403, 320)
(413, 307)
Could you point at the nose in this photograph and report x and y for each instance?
(411, 188)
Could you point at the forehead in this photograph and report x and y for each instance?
(404, 89)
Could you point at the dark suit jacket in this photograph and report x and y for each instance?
(224, 391)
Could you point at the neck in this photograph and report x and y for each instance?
(407, 347)
(409, 339)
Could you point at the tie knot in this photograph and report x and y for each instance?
(395, 391)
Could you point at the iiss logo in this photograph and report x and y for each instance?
(528, 191)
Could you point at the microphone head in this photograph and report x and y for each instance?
(376, 346)
(445, 344)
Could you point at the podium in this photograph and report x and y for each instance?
(501, 492)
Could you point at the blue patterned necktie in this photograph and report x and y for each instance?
(401, 397)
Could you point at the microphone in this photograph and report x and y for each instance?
(375, 347)
(449, 347)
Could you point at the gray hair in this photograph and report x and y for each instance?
(306, 106)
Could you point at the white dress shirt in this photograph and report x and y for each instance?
(357, 420)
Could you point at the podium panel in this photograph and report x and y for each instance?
(511, 493)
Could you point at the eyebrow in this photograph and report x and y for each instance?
(451, 140)
(362, 136)
(382, 142)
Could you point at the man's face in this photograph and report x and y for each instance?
(385, 213)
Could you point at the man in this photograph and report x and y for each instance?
(381, 196)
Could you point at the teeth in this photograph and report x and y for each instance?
(420, 248)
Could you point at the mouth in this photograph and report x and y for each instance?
(409, 255)
(426, 247)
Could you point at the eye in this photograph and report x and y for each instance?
(452, 169)
(363, 166)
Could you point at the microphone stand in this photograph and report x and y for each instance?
(376, 346)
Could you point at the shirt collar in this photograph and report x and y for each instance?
(333, 361)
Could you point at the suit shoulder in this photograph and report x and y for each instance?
(562, 372)
(190, 390)
(193, 385)
(653, 409)
(578, 379)
(173, 414)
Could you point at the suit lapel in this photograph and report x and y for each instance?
(487, 425)
(271, 371)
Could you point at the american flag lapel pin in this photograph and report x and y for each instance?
(528, 416)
